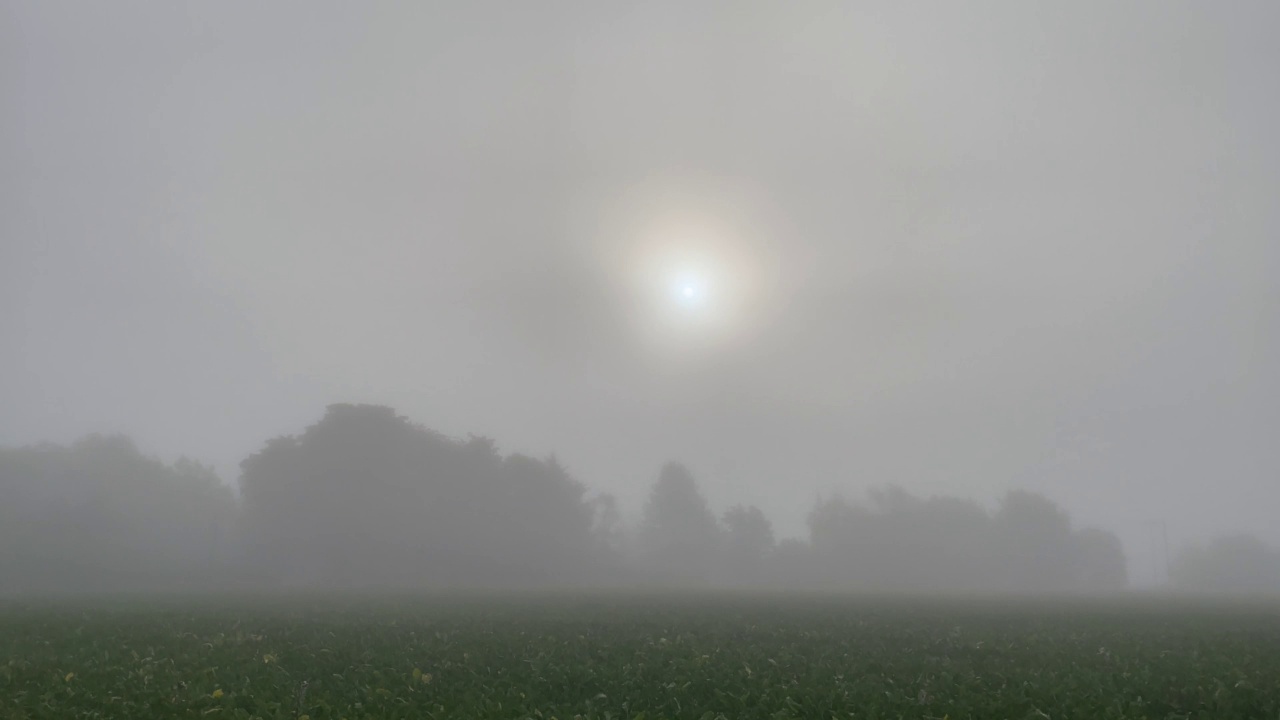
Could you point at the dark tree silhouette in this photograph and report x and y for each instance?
(748, 545)
(606, 523)
(366, 498)
(1100, 562)
(679, 536)
(101, 516)
(908, 544)
(1035, 543)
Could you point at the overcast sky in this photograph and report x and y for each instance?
(961, 247)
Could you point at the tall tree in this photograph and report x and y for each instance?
(1035, 544)
(748, 543)
(679, 534)
(366, 498)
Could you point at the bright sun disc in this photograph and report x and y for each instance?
(689, 292)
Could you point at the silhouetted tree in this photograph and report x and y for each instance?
(366, 498)
(748, 542)
(1100, 562)
(1228, 564)
(546, 520)
(908, 544)
(791, 565)
(841, 536)
(101, 516)
(1035, 544)
(679, 536)
(606, 523)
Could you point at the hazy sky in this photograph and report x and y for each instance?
(961, 247)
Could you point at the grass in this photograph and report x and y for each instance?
(608, 657)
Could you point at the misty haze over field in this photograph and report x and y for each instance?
(999, 271)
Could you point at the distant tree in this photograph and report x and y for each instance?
(341, 503)
(101, 516)
(960, 543)
(541, 523)
(748, 542)
(835, 524)
(364, 498)
(790, 566)
(1100, 565)
(941, 544)
(679, 534)
(606, 523)
(1228, 564)
(843, 539)
(1035, 544)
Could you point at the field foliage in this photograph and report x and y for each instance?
(605, 658)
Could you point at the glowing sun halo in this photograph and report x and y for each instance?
(693, 260)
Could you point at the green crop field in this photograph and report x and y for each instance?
(609, 657)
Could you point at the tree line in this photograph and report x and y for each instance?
(366, 499)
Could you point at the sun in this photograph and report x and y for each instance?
(689, 291)
(694, 263)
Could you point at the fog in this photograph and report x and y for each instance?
(856, 296)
